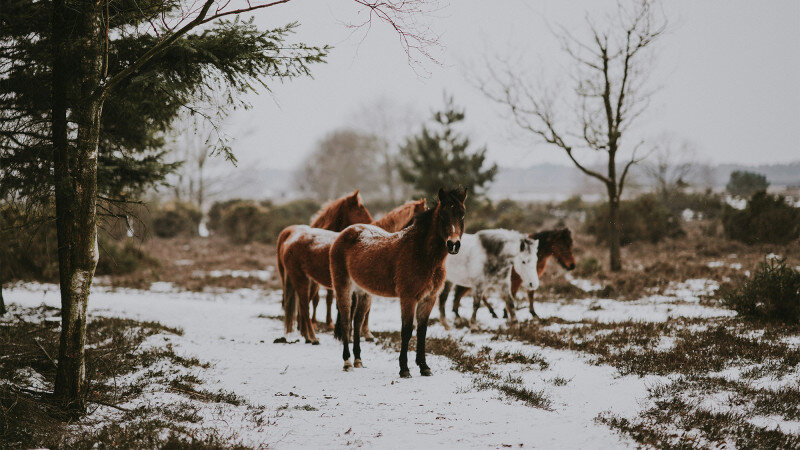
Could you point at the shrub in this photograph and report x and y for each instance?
(766, 219)
(176, 219)
(773, 294)
(28, 244)
(708, 204)
(244, 222)
(587, 266)
(524, 217)
(118, 259)
(642, 219)
(215, 213)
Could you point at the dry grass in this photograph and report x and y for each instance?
(119, 369)
(186, 262)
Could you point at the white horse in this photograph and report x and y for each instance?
(484, 264)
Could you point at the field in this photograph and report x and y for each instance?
(646, 357)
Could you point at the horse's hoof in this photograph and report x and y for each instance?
(445, 324)
(405, 373)
(357, 364)
(425, 371)
(348, 366)
(315, 342)
(494, 315)
(369, 337)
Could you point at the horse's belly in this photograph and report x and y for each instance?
(377, 278)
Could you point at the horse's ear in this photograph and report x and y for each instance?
(355, 198)
(461, 193)
(522, 245)
(441, 195)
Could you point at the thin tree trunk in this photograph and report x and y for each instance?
(2, 301)
(615, 257)
(75, 168)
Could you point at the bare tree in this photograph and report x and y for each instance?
(389, 122)
(671, 165)
(610, 93)
(81, 46)
(192, 142)
(342, 161)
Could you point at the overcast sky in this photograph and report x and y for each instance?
(729, 73)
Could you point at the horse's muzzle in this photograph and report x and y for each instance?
(453, 247)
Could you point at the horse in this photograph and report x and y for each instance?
(409, 264)
(556, 243)
(393, 221)
(335, 216)
(485, 264)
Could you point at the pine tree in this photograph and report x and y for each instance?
(440, 157)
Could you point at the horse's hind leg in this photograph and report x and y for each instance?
(343, 288)
(477, 297)
(305, 289)
(363, 303)
(365, 328)
(458, 293)
(489, 306)
(314, 302)
(423, 313)
(442, 301)
(407, 306)
(328, 303)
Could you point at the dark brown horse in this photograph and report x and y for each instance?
(304, 256)
(557, 243)
(335, 216)
(409, 264)
(393, 221)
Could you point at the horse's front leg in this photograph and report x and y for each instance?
(511, 308)
(531, 294)
(407, 307)
(423, 313)
(442, 302)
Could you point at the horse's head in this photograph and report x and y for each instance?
(451, 217)
(355, 211)
(419, 206)
(525, 261)
(562, 248)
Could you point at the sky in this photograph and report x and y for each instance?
(727, 75)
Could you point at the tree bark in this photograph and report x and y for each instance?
(614, 244)
(75, 168)
(2, 301)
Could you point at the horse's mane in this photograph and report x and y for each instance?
(329, 215)
(548, 237)
(398, 218)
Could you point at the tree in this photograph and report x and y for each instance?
(671, 166)
(611, 73)
(343, 161)
(389, 123)
(87, 69)
(744, 184)
(439, 157)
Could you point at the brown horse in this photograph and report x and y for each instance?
(393, 221)
(335, 216)
(409, 264)
(304, 256)
(556, 243)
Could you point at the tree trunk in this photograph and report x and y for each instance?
(615, 258)
(2, 301)
(75, 168)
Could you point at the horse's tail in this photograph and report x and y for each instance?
(338, 329)
(281, 269)
(289, 305)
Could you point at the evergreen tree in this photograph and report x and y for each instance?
(744, 184)
(440, 157)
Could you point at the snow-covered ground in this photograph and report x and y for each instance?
(309, 402)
